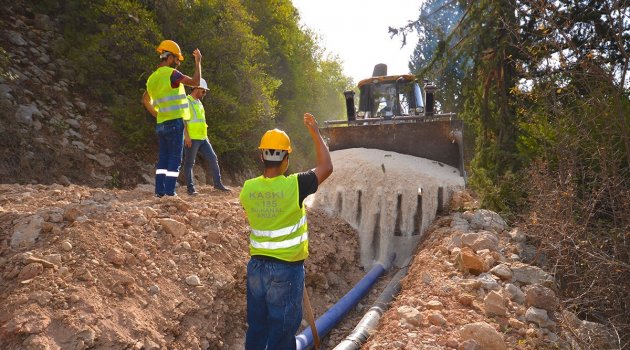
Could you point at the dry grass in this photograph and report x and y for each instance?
(582, 230)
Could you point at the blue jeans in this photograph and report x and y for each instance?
(171, 140)
(274, 304)
(205, 149)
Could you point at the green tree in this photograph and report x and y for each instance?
(241, 92)
(431, 60)
(110, 43)
(310, 82)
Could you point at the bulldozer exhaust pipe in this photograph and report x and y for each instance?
(350, 110)
(380, 70)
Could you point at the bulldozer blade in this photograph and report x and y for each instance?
(438, 140)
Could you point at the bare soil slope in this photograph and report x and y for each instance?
(90, 268)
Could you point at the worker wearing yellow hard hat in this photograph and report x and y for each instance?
(165, 99)
(279, 239)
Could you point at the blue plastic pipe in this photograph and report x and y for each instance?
(335, 314)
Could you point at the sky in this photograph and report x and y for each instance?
(357, 32)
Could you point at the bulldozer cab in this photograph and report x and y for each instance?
(389, 96)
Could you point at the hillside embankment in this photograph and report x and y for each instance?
(51, 131)
(89, 268)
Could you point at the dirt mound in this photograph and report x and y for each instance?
(92, 268)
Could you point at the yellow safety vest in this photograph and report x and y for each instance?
(278, 224)
(197, 127)
(170, 103)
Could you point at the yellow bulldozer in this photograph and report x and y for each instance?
(396, 162)
(396, 114)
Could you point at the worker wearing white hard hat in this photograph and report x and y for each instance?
(196, 141)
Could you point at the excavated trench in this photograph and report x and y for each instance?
(390, 199)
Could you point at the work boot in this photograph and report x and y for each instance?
(192, 192)
(222, 188)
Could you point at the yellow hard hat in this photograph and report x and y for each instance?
(275, 139)
(170, 46)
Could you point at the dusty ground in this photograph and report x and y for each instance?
(88, 268)
(109, 269)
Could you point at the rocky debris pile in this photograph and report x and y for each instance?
(468, 289)
(92, 268)
(49, 131)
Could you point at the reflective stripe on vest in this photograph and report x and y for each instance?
(279, 227)
(197, 127)
(170, 103)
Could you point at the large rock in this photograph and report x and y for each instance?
(538, 316)
(459, 223)
(484, 335)
(410, 315)
(173, 227)
(488, 282)
(494, 304)
(471, 262)
(527, 274)
(25, 113)
(481, 240)
(502, 271)
(103, 159)
(514, 293)
(541, 297)
(483, 219)
(26, 232)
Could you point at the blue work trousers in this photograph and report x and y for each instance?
(171, 141)
(204, 148)
(274, 304)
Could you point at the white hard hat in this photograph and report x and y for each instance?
(202, 84)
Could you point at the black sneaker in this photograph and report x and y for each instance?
(157, 195)
(223, 188)
(192, 192)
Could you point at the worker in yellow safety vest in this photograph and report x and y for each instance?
(279, 239)
(165, 99)
(196, 140)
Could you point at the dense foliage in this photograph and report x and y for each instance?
(262, 68)
(544, 87)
